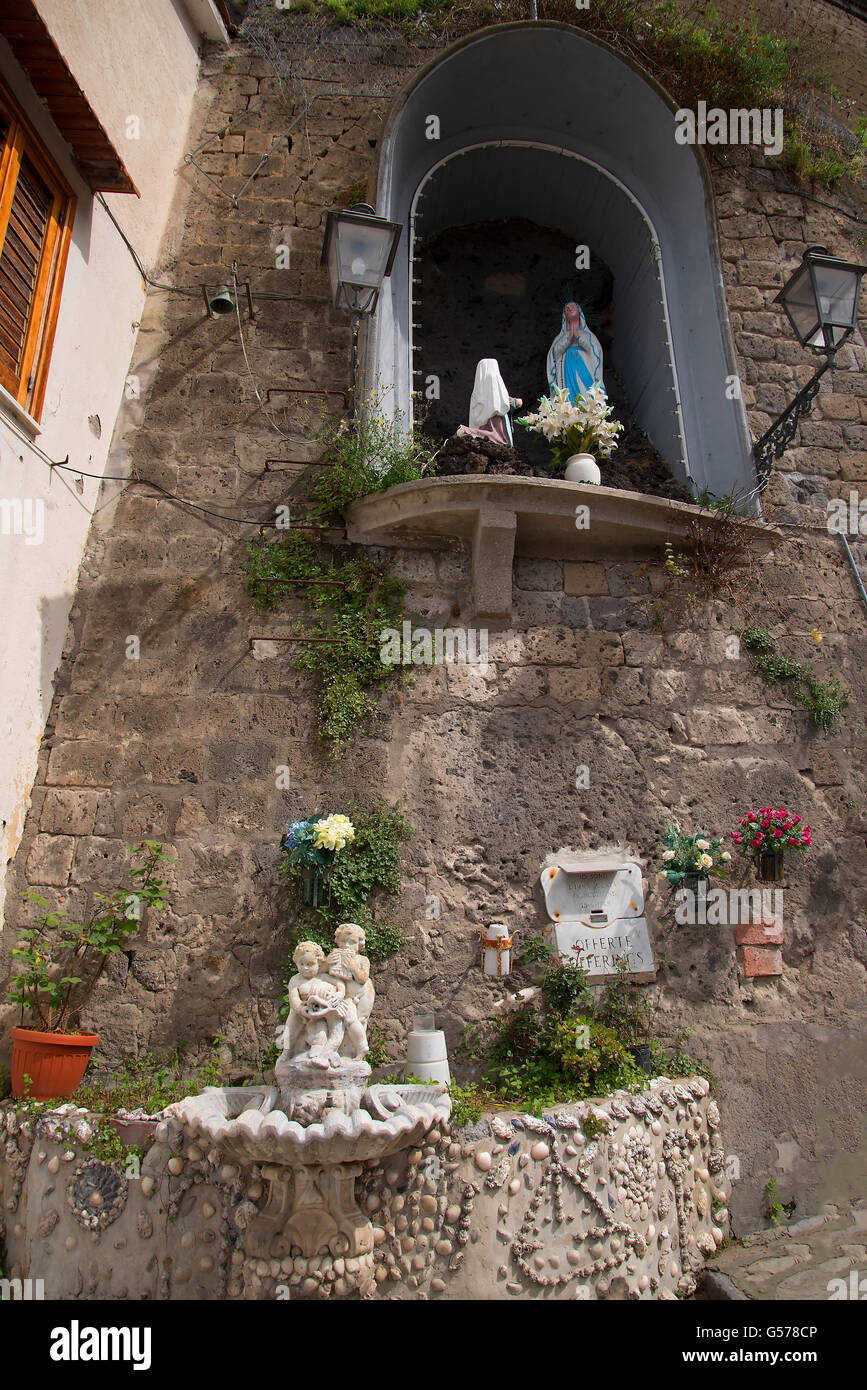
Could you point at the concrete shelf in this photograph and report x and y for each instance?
(504, 516)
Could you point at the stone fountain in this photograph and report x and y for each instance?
(310, 1136)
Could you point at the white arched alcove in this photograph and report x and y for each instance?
(539, 121)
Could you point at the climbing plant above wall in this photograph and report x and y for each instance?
(351, 600)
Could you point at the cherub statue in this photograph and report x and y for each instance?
(322, 1020)
(348, 966)
(324, 1014)
(307, 956)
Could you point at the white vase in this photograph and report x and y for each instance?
(582, 468)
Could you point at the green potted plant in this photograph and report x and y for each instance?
(312, 845)
(627, 1011)
(690, 860)
(59, 964)
(767, 833)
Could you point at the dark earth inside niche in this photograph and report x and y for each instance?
(497, 289)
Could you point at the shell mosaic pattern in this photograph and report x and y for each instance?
(96, 1194)
(536, 1208)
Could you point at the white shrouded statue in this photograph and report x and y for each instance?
(575, 356)
(490, 404)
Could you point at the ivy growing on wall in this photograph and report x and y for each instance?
(825, 700)
(351, 600)
(365, 871)
(377, 451)
(351, 597)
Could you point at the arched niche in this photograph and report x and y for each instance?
(542, 122)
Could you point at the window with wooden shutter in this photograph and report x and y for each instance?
(36, 212)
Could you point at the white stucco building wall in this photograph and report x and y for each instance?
(131, 58)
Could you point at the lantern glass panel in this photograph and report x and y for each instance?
(837, 289)
(362, 253)
(799, 301)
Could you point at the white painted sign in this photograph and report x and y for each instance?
(597, 902)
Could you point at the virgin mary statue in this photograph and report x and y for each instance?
(575, 356)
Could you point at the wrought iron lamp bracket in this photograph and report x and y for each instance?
(777, 438)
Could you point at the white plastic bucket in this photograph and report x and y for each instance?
(426, 1056)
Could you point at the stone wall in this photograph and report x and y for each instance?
(829, 37)
(183, 744)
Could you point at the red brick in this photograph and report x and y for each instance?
(761, 962)
(760, 933)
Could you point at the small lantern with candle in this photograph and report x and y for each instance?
(496, 949)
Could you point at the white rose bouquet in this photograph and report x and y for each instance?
(699, 853)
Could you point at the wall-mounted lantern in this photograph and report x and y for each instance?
(821, 302)
(359, 250)
(497, 949)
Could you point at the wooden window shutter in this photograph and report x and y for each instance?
(20, 260)
(36, 210)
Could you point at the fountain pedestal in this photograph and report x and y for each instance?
(308, 1092)
(308, 1217)
(310, 1212)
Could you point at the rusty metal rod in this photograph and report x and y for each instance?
(267, 583)
(338, 641)
(297, 463)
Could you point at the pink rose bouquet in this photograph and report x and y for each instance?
(770, 830)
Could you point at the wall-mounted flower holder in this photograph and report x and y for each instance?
(769, 865)
(312, 846)
(766, 834)
(313, 884)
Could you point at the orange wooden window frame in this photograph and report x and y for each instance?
(20, 143)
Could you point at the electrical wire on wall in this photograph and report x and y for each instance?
(265, 412)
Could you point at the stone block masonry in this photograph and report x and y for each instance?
(183, 743)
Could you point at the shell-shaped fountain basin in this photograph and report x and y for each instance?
(246, 1125)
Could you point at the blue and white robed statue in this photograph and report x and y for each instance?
(575, 356)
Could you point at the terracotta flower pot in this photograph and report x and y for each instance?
(55, 1062)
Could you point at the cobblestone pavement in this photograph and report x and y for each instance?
(797, 1261)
